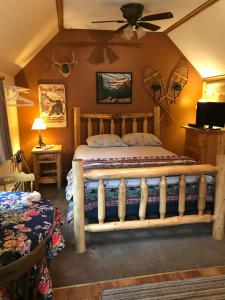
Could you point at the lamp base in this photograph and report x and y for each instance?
(40, 142)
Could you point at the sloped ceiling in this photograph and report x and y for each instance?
(26, 26)
(80, 14)
(202, 40)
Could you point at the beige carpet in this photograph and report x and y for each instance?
(204, 288)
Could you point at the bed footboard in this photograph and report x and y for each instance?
(143, 173)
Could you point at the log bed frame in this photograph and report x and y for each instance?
(79, 175)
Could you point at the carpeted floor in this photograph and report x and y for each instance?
(212, 287)
(133, 253)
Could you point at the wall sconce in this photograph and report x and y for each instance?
(39, 125)
(156, 88)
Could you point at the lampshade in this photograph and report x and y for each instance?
(140, 32)
(38, 124)
(128, 33)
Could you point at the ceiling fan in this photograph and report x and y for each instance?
(132, 12)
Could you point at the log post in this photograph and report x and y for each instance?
(157, 121)
(134, 125)
(89, 127)
(123, 126)
(219, 208)
(78, 205)
(144, 199)
(182, 189)
(122, 200)
(101, 126)
(202, 195)
(162, 204)
(112, 126)
(101, 202)
(76, 123)
(145, 125)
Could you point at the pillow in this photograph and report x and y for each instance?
(141, 139)
(105, 140)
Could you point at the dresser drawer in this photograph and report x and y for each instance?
(46, 157)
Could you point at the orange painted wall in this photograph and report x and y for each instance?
(155, 50)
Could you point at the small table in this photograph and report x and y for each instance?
(48, 156)
(23, 226)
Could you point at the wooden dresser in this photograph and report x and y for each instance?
(202, 144)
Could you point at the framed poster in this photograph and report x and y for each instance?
(52, 104)
(114, 87)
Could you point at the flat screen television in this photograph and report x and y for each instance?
(210, 113)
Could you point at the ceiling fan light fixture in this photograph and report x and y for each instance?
(128, 32)
(140, 32)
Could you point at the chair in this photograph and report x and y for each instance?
(11, 273)
(17, 181)
(12, 177)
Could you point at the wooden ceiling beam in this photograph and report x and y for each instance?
(59, 5)
(190, 15)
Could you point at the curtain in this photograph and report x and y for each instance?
(5, 142)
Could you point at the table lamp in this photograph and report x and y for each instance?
(39, 125)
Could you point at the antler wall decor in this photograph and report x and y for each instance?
(156, 87)
(65, 67)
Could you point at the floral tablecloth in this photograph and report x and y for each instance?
(23, 226)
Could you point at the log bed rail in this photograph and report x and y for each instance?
(143, 173)
(79, 175)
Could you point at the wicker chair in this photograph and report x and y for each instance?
(21, 270)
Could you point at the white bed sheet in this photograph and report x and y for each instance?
(86, 152)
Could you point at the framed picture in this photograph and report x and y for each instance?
(214, 90)
(114, 87)
(52, 104)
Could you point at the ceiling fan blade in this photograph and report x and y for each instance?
(112, 21)
(166, 15)
(149, 26)
(120, 29)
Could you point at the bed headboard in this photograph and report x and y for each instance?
(113, 119)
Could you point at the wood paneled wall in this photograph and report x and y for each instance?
(155, 49)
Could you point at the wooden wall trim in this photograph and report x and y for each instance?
(214, 78)
(190, 15)
(59, 6)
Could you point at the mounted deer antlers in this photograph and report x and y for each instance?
(66, 67)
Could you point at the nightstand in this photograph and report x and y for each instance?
(47, 165)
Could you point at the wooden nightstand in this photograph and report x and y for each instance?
(47, 165)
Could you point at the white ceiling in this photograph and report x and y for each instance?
(27, 25)
(80, 14)
(202, 40)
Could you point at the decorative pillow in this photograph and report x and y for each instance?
(105, 140)
(141, 139)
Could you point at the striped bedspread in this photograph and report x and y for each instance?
(133, 185)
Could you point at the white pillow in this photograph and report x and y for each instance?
(141, 139)
(105, 140)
